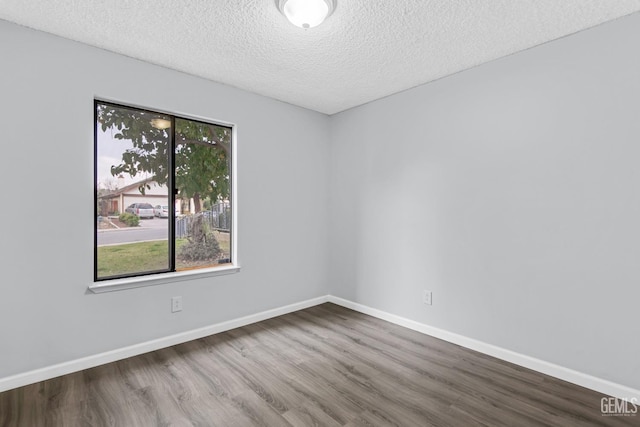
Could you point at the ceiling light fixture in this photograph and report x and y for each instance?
(306, 13)
(161, 124)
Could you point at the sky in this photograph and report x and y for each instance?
(110, 154)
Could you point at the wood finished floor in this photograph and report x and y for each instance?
(323, 366)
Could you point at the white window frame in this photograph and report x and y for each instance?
(178, 276)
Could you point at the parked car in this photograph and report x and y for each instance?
(142, 210)
(161, 211)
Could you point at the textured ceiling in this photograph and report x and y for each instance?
(366, 50)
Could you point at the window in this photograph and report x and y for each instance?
(145, 163)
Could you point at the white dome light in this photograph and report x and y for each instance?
(306, 13)
(160, 123)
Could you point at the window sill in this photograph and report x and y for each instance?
(159, 279)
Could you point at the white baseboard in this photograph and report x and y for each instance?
(49, 372)
(602, 386)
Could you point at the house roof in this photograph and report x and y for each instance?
(125, 190)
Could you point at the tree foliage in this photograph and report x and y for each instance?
(202, 151)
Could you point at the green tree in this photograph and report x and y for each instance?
(202, 154)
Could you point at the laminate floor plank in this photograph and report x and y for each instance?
(263, 367)
(380, 399)
(24, 407)
(309, 416)
(180, 384)
(305, 385)
(411, 368)
(513, 383)
(259, 411)
(206, 364)
(519, 396)
(272, 389)
(399, 335)
(322, 366)
(366, 367)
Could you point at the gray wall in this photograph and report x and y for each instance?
(47, 87)
(511, 191)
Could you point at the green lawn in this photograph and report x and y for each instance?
(138, 257)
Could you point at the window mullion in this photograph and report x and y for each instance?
(171, 184)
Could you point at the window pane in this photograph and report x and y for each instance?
(203, 201)
(132, 165)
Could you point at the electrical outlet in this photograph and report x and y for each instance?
(176, 304)
(426, 297)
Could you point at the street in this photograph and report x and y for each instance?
(149, 229)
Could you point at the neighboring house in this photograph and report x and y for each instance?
(116, 201)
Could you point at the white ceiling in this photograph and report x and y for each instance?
(366, 50)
